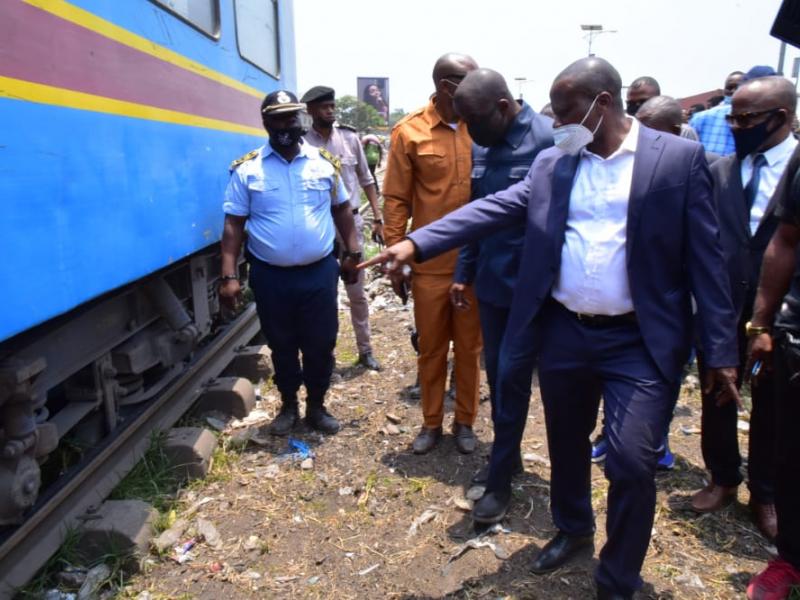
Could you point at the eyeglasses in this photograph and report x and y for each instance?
(747, 119)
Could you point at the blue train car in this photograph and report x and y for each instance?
(119, 121)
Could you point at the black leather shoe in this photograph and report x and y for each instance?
(605, 594)
(492, 507)
(320, 419)
(286, 419)
(482, 476)
(465, 438)
(365, 359)
(559, 550)
(426, 439)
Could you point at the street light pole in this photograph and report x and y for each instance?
(520, 81)
(594, 30)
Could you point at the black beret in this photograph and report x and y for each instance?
(318, 93)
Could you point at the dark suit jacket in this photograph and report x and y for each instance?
(743, 251)
(491, 264)
(673, 248)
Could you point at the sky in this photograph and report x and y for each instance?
(689, 46)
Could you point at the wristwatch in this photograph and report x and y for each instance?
(356, 256)
(751, 330)
(224, 278)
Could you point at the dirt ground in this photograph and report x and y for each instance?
(343, 528)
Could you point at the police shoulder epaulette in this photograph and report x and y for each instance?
(337, 164)
(242, 159)
(347, 127)
(337, 167)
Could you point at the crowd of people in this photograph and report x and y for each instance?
(598, 242)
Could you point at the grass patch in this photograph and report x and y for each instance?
(418, 485)
(151, 480)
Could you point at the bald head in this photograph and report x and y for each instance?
(452, 65)
(663, 113)
(766, 93)
(590, 77)
(481, 87)
(485, 104)
(766, 102)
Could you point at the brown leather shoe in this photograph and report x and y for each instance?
(426, 439)
(765, 518)
(712, 498)
(465, 438)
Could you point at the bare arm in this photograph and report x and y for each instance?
(776, 273)
(232, 237)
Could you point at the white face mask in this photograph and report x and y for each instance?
(572, 138)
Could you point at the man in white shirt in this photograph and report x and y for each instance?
(620, 234)
(761, 119)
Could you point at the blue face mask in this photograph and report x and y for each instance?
(574, 137)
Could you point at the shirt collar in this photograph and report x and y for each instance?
(522, 123)
(629, 144)
(778, 152)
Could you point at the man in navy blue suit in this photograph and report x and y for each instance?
(620, 233)
(507, 137)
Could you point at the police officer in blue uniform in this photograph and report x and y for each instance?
(290, 198)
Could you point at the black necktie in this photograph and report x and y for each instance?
(751, 190)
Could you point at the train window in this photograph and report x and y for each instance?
(202, 14)
(257, 33)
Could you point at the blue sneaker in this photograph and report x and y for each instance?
(599, 448)
(667, 460)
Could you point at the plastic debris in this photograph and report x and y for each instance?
(271, 471)
(58, 595)
(742, 425)
(253, 543)
(369, 569)
(532, 457)
(181, 553)
(689, 430)
(307, 464)
(313, 580)
(345, 491)
(297, 450)
(429, 514)
(477, 543)
(170, 537)
(690, 579)
(95, 579)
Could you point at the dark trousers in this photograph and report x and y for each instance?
(493, 326)
(297, 307)
(720, 437)
(577, 365)
(510, 400)
(787, 451)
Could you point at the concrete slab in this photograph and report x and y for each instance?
(189, 450)
(118, 527)
(234, 396)
(251, 362)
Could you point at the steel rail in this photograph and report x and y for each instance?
(33, 542)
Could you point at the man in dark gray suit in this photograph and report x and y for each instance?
(620, 233)
(744, 183)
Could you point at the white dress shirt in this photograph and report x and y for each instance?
(777, 157)
(593, 278)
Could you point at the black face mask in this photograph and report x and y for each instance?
(484, 134)
(286, 138)
(633, 107)
(748, 140)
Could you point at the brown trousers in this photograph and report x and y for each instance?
(438, 322)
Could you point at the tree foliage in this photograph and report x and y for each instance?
(351, 111)
(395, 116)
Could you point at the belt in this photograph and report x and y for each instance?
(600, 321)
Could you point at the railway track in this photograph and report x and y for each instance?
(26, 548)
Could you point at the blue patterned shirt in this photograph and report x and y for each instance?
(713, 130)
(287, 205)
